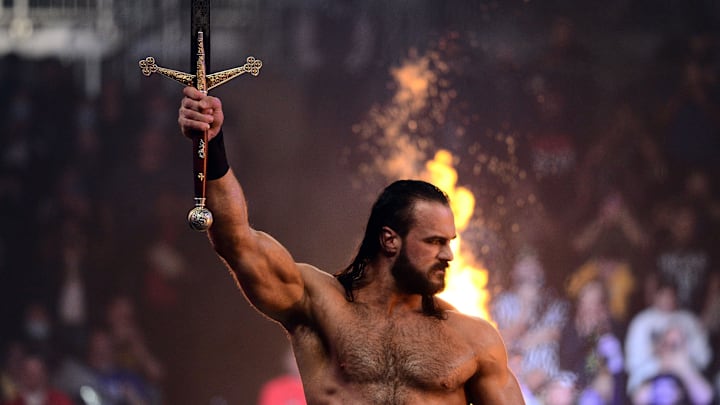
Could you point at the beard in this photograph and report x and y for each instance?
(412, 280)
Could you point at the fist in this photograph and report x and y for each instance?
(200, 112)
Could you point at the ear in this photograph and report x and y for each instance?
(390, 241)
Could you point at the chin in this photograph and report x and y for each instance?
(437, 288)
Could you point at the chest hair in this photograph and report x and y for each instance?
(412, 350)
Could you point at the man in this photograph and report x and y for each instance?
(375, 333)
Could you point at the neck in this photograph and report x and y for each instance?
(381, 290)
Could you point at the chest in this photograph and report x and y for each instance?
(413, 351)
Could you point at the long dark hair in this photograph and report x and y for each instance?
(394, 209)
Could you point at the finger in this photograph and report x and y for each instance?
(189, 125)
(210, 103)
(192, 104)
(193, 93)
(193, 115)
(213, 102)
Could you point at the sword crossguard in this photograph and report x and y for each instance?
(252, 66)
(148, 67)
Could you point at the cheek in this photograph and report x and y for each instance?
(421, 253)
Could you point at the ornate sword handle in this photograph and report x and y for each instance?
(200, 218)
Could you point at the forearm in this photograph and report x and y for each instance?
(226, 200)
(698, 388)
(633, 231)
(588, 235)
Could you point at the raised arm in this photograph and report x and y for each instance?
(263, 268)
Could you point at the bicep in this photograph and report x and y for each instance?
(263, 268)
(494, 382)
(268, 275)
(495, 390)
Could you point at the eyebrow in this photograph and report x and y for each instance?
(438, 237)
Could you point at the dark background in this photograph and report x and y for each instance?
(92, 158)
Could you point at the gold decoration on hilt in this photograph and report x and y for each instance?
(200, 218)
(252, 66)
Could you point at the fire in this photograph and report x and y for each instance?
(465, 280)
(397, 137)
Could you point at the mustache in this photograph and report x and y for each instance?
(441, 266)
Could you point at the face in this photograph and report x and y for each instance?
(425, 252)
(666, 299)
(34, 374)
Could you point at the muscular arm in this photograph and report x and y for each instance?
(493, 383)
(263, 268)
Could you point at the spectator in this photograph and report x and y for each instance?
(530, 320)
(590, 347)
(685, 258)
(11, 371)
(38, 333)
(698, 187)
(699, 191)
(612, 245)
(72, 310)
(561, 390)
(34, 387)
(613, 220)
(691, 115)
(530, 380)
(99, 375)
(667, 346)
(561, 84)
(623, 156)
(133, 352)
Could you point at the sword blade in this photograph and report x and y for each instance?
(199, 22)
(199, 65)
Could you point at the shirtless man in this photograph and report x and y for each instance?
(374, 333)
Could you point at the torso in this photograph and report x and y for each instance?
(354, 353)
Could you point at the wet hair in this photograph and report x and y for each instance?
(394, 209)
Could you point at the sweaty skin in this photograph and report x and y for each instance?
(379, 348)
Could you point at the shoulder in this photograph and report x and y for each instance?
(465, 322)
(479, 332)
(322, 290)
(487, 345)
(318, 281)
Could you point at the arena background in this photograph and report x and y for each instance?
(94, 176)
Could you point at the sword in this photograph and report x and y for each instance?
(200, 218)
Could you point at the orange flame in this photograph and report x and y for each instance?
(465, 280)
(419, 104)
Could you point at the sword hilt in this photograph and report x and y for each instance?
(200, 218)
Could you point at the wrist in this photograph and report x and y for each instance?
(217, 163)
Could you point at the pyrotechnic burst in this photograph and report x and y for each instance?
(413, 136)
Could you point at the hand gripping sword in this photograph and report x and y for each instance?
(200, 218)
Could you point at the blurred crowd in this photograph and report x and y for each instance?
(91, 269)
(607, 290)
(610, 292)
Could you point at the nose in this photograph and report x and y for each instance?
(446, 253)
